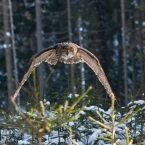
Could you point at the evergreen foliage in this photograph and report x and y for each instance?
(67, 124)
(101, 34)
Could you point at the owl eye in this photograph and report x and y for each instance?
(71, 49)
(63, 50)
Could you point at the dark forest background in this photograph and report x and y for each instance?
(40, 24)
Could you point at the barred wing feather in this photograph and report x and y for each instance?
(48, 55)
(92, 61)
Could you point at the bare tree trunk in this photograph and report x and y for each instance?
(140, 39)
(82, 63)
(134, 71)
(133, 49)
(14, 49)
(39, 41)
(73, 87)
(124, 51)
(120, 86)
(8, 53)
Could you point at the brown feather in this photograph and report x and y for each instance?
(73, 60)
(52, 58)
(48, 55)
(92, 61)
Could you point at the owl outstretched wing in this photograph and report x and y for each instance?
(92, 61)
(48, 55)
(68, 53)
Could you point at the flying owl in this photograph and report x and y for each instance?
(68, 53)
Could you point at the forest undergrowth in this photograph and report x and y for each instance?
(75, 121)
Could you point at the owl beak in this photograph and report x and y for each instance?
(67, 52)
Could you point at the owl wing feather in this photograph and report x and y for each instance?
(92, 61)
(48, 55)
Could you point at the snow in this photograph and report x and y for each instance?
(8, 34)
(139, 102)
(134, 3)
(4, 46)
(101, 142)
(116, 43)
(136, 22)
(81, 29)
(56, 141)
(47, 103)
(9, 45)
(70, 95)
(94, 108)
(21, 142)
(83, 83)
(71, 124)
(82, 128)
(82, 69)
(76, 95)
(92, 138)
(91, 108)
(82, 112)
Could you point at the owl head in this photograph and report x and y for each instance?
(66, 50)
